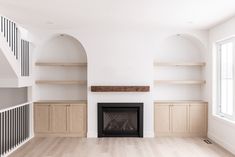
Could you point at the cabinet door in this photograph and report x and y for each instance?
(198, 118)
(77, 118)
(179, 118)
(59, 118)
(42, 118)
(162, 118)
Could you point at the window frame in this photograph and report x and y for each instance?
(218, 79)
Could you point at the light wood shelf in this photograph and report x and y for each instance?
(62, 82)
(180, 82)
(178, 101)
(61, 64)
(189, 64)
(61, 102)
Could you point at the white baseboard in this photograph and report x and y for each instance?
(229, 147)
(17, 147)
(149, 134)
(92, 134)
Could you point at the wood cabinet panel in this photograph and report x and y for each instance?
(197, 118)
(179, 118)
(59, 118)
(162, 118)
(77, 119)
(42, 118)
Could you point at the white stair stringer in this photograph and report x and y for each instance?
(10, 68)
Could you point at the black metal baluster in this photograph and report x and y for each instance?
(17, 43)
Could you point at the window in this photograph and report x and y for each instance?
(225, 88)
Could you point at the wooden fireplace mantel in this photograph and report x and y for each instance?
(120, 88)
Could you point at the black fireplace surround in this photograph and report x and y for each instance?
(120, 119)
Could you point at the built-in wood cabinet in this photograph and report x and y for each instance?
(76, 116)
(198, 119)
(162, 118)
(60, 120)
(42, 118)
(180, 119)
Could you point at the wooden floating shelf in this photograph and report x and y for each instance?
(120, 88)
(180, 81)
(190, 64)
(178, 101)
(62, 64)
(62, 82)
(61, 102)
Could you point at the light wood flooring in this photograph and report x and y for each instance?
(120, 147)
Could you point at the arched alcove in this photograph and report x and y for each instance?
(181, 47)
(61, 47)
(178, 71)
(61, 69)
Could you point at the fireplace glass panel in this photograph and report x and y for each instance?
(120, 121)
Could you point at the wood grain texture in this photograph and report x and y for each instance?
(120, 88)
(179, 119)
(42, 118)
(60, 120)
(198, 118)
(61, 64)
(179, 101)
(120, 147)
(180, 82)
(59, 116)
(78, 102)
(186, 64)
(162, 118)
(62, 82)
(184, 119)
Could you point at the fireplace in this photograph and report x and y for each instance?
(120, 119)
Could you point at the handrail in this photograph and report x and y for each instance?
(14, 127)
(13, 107)
(11, 33)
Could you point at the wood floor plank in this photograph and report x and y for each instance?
(120, 147)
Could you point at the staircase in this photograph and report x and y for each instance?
(15, 56)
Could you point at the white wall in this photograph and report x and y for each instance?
(119, 55)
(12, 96)
(221, 131)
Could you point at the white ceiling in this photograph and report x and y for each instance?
(195, 14)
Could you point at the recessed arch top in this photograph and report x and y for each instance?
(182, 47)
(61, 48)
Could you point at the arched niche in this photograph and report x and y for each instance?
(181, 47)
(61, 48)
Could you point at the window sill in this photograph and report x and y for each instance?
(224, 120)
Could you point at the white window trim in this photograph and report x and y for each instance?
(218, 71)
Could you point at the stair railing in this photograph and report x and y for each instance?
(10, 30)
(20, 48)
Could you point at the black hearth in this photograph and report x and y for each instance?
(120, 119)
